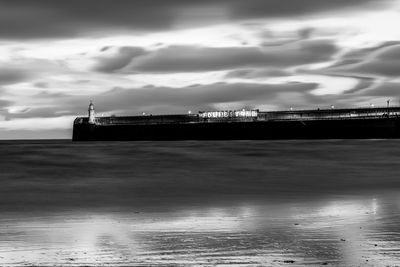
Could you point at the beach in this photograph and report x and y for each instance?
(248, 203)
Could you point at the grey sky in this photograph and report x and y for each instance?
(169, 56)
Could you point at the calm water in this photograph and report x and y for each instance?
(248, 203)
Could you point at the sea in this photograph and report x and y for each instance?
(200, 203)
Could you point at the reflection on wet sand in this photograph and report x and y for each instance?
(341, 232)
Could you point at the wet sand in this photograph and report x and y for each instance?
(281, 203)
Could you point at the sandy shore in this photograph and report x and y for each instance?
(347, 232)
(178, 204)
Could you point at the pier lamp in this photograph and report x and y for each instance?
(332, 107)
(143, 113)
(189, 112)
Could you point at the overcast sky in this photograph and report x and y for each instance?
(171, 56)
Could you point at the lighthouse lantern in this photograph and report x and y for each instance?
(92, 118)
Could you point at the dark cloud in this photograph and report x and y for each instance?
(387, 89)
(12, 75)
(361, 54)
(82, 81)
(21, 69)
(105, 48)
(46, 18)
(384, 63)
(189, 58)
(41, 85)
(274, 8)
(194, 59)
(367, 65)
(49, 18)
(305, 33)
(119, 59)
(4, 104)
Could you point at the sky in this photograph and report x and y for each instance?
(172, 56)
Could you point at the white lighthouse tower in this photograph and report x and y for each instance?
(92, 118)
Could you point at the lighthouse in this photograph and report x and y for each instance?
(92, 118)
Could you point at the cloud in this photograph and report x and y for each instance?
(119, 59)
(387, 89)
(21, 70)
(386, 63)
(12, 75)
(369, 66)
(283, 8)
(360, 54)
(381, 61)
(42, 112)
(72, 18)
(193, 59)
(75, 17)
(197, 58)
(196, 97)
(164, 99)
(363, 83)
(305, 33)
(4, 104)
(206, 94)
(257, 73)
